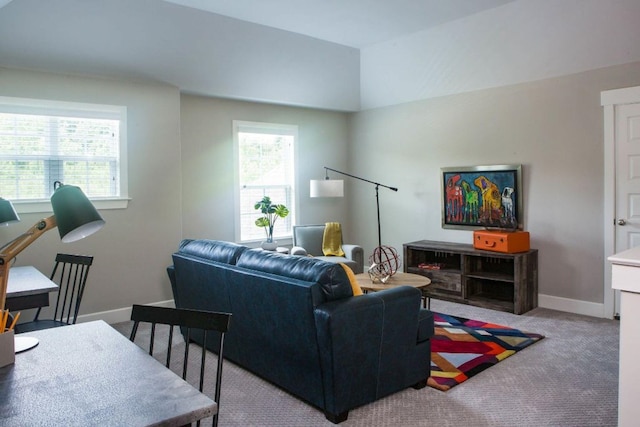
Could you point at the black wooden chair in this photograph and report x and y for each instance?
(212, 325)
(70, 272)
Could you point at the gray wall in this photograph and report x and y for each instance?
(133, 249)
(177, 189)
(552, 127)
(208, 170)
(180, 184)
(180, 146)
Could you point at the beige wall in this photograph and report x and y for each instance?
(181, 174)
(552, 127)
(177, 190)
(133, 249)
(208, 169)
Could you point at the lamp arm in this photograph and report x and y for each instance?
(362, 179)
(378, 185)
(11, 250)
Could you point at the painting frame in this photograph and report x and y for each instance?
(497, 202)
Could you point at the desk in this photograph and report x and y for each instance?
(89, 374)
(28, 288)
(398, 279)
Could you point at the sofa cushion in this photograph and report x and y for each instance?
(331, 277)
(213, 250)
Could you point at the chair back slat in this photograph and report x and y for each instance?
(70, 273)
(189, 319)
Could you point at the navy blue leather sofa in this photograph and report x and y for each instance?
(297, 324)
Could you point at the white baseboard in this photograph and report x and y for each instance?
(571, 305)
(118, 315)
(545, 301)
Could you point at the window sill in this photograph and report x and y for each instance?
(44, 206)
(282, 241)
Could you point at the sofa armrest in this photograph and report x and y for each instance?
(171, 272)
(355, 253)
(297, 250)
(368, 346)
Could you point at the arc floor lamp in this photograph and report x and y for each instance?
(335, 188)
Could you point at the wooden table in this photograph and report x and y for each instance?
(398, 279)
(28, 288)
(90, 375)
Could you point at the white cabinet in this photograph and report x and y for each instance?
(625, 276)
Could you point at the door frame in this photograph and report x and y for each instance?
(609, 99)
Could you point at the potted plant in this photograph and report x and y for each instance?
(271, 212)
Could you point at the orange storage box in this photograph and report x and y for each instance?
(508, 242)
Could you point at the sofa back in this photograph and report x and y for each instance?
(331, 277)
(212, 250)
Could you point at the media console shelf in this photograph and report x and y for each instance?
(460, 273)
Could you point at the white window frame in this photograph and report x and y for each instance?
(77, 109)
(268, 128)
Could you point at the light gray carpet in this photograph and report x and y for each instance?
(570, 378)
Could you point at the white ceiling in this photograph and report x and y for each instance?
(294, 52)
(342, 55)
(355, 23)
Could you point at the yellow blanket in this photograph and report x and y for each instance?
(332, 239)
(355, 286)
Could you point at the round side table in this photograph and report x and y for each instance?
(399, 279)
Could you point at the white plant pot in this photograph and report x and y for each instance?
(269, 246)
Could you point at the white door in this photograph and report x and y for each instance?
(627, 175)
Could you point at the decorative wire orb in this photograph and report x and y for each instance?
(385, 262)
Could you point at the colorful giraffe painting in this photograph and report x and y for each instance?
(485, 196)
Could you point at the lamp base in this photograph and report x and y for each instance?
(25, 343)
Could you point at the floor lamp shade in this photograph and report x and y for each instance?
(75, 215)
(8, 213)
(326, 188)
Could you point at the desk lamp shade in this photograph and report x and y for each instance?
(7, 212)
(76, 217)
(326, 188)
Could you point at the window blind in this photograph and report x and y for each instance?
(41, 144)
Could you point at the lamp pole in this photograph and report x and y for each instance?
(378, 185)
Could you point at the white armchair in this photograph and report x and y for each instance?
(307, 240)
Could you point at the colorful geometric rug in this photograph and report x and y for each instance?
(462, 348)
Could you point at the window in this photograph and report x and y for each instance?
(264, 167)
(42, 142)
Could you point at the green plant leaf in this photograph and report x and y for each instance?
(263, 222)
(281, 211)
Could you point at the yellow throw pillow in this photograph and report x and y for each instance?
(355, 287)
